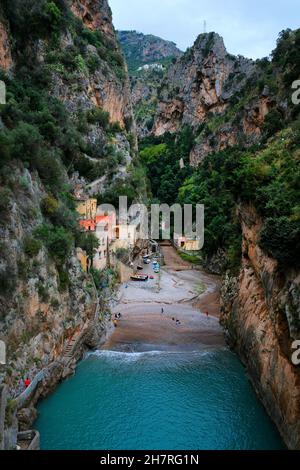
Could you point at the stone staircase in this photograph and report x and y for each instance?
(68, 352)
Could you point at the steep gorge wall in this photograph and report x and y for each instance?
(217, 95)
(200, 91)
(44, 306)
(260, 313)
(5, 46)
(103, 88)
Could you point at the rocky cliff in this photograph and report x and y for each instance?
(148, 58)
(5, 46)
(68, 113)
(260, 313)
(204, 89)
(234, 120)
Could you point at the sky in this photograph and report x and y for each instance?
(249, 27)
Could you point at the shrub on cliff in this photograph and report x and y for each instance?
(42, 17)
(57, 240)
(98, 115)
(280, 239)
(49, 206)
(31, 246)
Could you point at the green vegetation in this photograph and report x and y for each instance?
(42, 135)
(89, 243)
(135, 44)
(42, 19)
(266, 176)
(161, 157)
(191, 258)
(32, 247)
(57, 240)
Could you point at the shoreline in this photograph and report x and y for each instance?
(189, 296)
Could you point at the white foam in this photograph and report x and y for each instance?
(135, 356)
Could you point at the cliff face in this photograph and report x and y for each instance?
(96, 15)
(5, 46)
(37, 315)
(198, 82)
(201, 91)
(148, 58)
(46, 301)
(104, 87)
(260, 313)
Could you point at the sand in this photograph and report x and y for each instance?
(184, 295)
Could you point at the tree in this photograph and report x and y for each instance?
(89, 243)
(58, 241)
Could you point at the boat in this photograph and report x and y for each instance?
(140, 277)
(140, 268)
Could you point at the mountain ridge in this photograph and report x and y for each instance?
(142, 49)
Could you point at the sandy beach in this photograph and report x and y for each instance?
(187, 295)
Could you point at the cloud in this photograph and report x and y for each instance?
(248, 27)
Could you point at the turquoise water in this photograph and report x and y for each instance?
(190, 401)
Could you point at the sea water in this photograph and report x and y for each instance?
(156, 400)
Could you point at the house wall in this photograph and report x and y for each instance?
(87, 209)
(192, 245)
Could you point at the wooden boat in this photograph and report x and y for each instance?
(139, 277)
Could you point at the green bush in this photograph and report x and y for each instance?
(49, 206)
(25, 142)
(31, 246)
(5, 197)
(280, 238)
(57, 240)
(64, 279)
(98, 115)
(42, 18)
(273, 123)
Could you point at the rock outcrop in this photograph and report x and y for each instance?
(148, 58)
(96, 15)
(198, 80)
(6, 62)
(261, 313)
(103, 88)
(200, 91)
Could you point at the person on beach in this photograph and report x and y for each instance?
(115, 323)
(207, 314)
(162, 310)
(178, 322)
(119, 316)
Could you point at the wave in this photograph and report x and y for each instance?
(137, 356)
